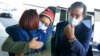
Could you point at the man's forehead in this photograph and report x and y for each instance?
(77, 11)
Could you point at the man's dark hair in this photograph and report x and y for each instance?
(79, 5)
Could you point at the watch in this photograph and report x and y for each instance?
(72, 40)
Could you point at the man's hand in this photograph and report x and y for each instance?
(34, 44)
(69, 32)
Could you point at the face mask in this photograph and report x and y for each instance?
(73, 21)
(42, 26)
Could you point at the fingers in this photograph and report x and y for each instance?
(34, 44)
(70, 25)
(39, 45)
(35, 38)
(69, 29)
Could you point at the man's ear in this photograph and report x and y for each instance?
(84, 16)
(69, 9)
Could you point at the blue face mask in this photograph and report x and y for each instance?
(73, 21)
(42, 26)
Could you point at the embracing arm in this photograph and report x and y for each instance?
(20, 46)
(15, 47)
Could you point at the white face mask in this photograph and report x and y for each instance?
(42, 26)
(73, 21)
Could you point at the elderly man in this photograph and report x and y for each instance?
(72, 37)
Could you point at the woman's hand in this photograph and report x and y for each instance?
(34, 44)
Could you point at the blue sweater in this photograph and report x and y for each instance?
(19, 34)
(62, 47)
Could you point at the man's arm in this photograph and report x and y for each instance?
(15, 47)
(81, 47)
(78, 47)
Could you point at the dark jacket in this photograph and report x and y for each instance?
(98, 47)
(20, 34)
(62, 47)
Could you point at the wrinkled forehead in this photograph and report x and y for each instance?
(76, 11)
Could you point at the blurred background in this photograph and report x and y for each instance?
(11, 11)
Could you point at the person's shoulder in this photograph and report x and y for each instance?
(62, 23)
(13, 28)
(86, 27)
(10, 27)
